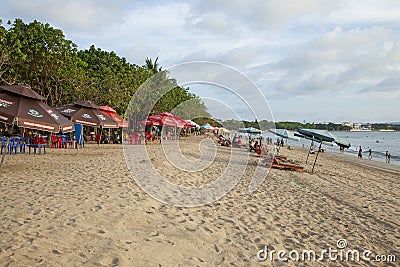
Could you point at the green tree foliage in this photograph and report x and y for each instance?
(39, 55)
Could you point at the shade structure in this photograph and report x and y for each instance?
(149, 123)
(325, 135)
(341, 142)
(321, 135)
(284, 134)
(223, 130)
(318, 136)
(167, 119)
(193, 124)
(113, 114)
(22, 90)
(250, 130)
(87, 113)
(207, 126)
(32, 113)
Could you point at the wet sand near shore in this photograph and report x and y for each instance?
(72, 208)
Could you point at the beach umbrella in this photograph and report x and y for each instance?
(21, 105)
(113, 114)
(87, 113)
(319, 136)
(250, 130)
(207, 126)
(167, 119)
(193, 124)
(149, 123)
(284, 134)
(341, 142)
(223, 130)
(22, 90)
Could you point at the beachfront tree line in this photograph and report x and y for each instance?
(293, 125)
(289, 125)
(40, 56)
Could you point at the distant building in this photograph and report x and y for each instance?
(360, 127)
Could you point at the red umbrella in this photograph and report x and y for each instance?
(167, 119)
(112, 113)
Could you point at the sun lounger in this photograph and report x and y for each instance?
(283, 164)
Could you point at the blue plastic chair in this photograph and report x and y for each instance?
(64, 141)
(20, 143)
(12, 145)
(3, 141)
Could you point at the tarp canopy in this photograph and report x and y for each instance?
(113, 114)
(22, 90)
(31, 112)
(324, 136)
(284, 134)
(207, 126)
(167, 119)
(87, 113)
(321, 135)
(193, 124)
(250, 130)
(223, 130)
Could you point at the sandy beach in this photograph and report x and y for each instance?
(83, 207)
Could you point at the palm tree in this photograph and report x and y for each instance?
(153, 67)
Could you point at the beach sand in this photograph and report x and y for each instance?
(82, 207)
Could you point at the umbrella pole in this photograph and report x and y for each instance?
(315, 161)
(4, 153)
(308, 154)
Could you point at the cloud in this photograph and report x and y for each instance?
(337, 61)
(84, 16)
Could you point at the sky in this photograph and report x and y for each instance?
(313, 60)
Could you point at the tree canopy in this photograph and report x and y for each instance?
(40, 56)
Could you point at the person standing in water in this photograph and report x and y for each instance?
(386, 156)
(388, 161)
(360, 153)
(370, 154)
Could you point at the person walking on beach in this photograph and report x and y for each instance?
(360, 153)
(370, 154)
(388, 160)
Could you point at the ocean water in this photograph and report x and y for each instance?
(378, 142)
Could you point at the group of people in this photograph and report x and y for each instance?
(387, 154)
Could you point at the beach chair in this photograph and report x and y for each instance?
(283, 164)
(20, 144)
(12, 145)
(54, 141)
(3, 141)
(37, 145)
(65, 141)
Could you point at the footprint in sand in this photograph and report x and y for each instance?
(70, 222)
(97, 207)
(36, 212)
